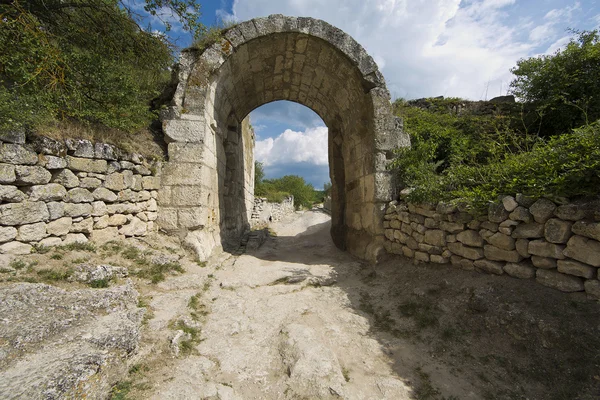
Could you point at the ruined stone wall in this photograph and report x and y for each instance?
(264, 209)
(558, 245)
(59, 192)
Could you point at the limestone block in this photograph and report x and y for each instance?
(452, 227)
(544, 262)
(522, 246)
(17, 154)
(582, 249)
(90, 183)
(7, 173)
(189, 174)
(66, 178)
(102, 222)
(80, 147)
(152, 216)
(113, 166)
(49, 192)
(542, 210)
(127, 165)
(521, 214)
(23, 213)
(105, 151)
(85, 226)
(141, 170)
(542, 248)
(152, 205)
(7, 233)
(136, 227)
(59, 227)
(497, 213)
(99, 208)
(127, 195)
(194, 218)
(501, 241)
(32, 233)
(154, 194)
(53, 162)
(472, 253)
(151, 182)
(490, 267)
(11, 194)
(494, 253)
(570, 212)
(509, 203)
(142, 216)
(528, 231)
(588, 229)
(87, 165)
(117, 220)
(556, 280)
(16, 248)
(167, 219)
(105, 235)
(50, 242)
(520, 270)
(592, 288)
(78, 209)
(32, 175)
(104, 194)
(79, 195)
(13, 136)
(192, 131)
(576, 268)
(56, 210)
(435, 237)
(118, 181)
(75, 238)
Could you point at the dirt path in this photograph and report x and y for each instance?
(300, 319)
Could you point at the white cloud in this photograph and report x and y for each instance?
(293, 147)
(431, 47)
(559, 44)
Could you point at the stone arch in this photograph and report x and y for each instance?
(256, 62)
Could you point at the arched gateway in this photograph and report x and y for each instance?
(207, 185)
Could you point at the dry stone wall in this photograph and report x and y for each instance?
(59, 192)
(557, 244)
(265, 211)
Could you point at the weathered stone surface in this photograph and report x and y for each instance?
(556, 280)
(544, 262)
(141, 169)
(544, 249)
(49, 192)
(452, 227)
(17, 154)
(583, 249)
(23, 213)
(509, 203)
(521, 214)
(525, 201)
(45, 145)
(495, 254)
(522, 247)
(472, 253)
(7, 173)
(56, 210)
(104, 235)
(151, 183)
(87, 165)
(15, 136)
(80, 147)
(497, 213)
(569, 212)
(32, 175)
(135, 227)
(7, 233)
(105, 151)
(592, 288)
(99, 208)
(50, 242)
(77, 209)
(104, 194)
(84, 226)
(557, 231)
(470, 238)
(588, 229)
(32, 232)
(75, 238)
(59, 227)
(90, 183)
(501, 241)
(118, 181)
(438, 259)
(542, 210)
(16, 248)
(576, 268)
(66, 178)
(79, 195)
(101, 222)
(520, 270)
(435, 237)
(490, 267)
(117, 220)
(11, 194)
(528, 231)
(52, 162)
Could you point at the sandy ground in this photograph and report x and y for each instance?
(300, 319)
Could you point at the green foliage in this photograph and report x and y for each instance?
(259, 174)
(277, 189)
(563, 87)
(87, 60)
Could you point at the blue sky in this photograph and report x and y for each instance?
(453, 48)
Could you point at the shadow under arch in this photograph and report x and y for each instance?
(303, 60)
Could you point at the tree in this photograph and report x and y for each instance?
(84, 59)
(259, 173)
(564, 87)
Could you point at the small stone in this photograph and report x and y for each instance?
(472, 253)
(59, 227)
(528, 231)
(542, 210)
(521, 214)
(80, 147)
(11, 194)
(49, 192)
(56, 210)
(525, 201)
(583, 249)
(139, 228)
(501, 241)
(497, 213)
(32, 232)
(557, 231)
(75, 238)
(66, 178)
(87, 165)
(16, 248)
(141, 169)
(117, 181)
(85, 226)
(570, 212)
(576, 268)
(102, 222)
(105, 235)
(50, 242)
(79, 195)
(90, 183)
(438, 259)
(7, 233)
(7, 173)
(23, 213)
(435, 237)
(53, 162)
(127, 165)
(470, 238)
(78, 209)
(544, 249)
(496, 254)
(451, 227)
(17, 154)
(588, 229)
(15, 136)
(592, 288)
(490, 226)
(32, 175)
(520, 270)
(556, 280)
(104, 195)
(420, 256)
(105, 151)
(509, 203)
(544, 262)
(99, 209)
(522, 246)
(489, 266)
(117, 220)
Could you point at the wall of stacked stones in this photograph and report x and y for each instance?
(263, 209)
(58, 192)
(557, 244)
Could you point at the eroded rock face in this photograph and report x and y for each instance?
(65, 344)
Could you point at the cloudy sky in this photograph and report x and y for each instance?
(452, 48)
